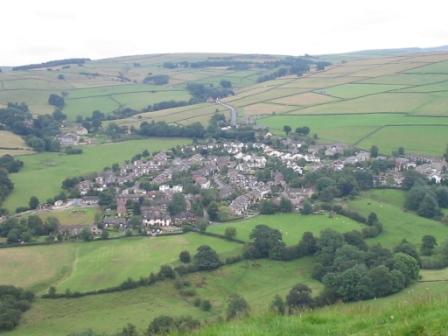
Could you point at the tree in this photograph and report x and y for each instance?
(104, 234)
(206, 305)
(266, 242)
(161, 325)
(230, 232)
(428, 244)
(206, 258)
(307, 208)
(212, 211)
(287, 129)
(302, 130)
(307, 245)
(442, 196)
(185, 257)
(33, 203)
(225, 84)
(277, 305)
(177, 204)
(236, 307)
(374, 150)
(166, 272)
(429, 207)
(406, 248)
(299, 297)
(285, 205)
(445, 155)
(86, 235)
(400, 151)
(408, 266)
(56, 101)
(382, 281)
(129, 330)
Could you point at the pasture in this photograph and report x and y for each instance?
(81, 266)
(417, 134)
(398, 223)
(257, 281)
(292, 226)
(12, 144)
(43, 173)
(107, 85)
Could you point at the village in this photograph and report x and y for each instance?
(239, 175)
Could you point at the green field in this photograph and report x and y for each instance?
(99, 264)
(398, 224)
(358, 90)
(43, 173)
(355, 130)
(292, 226)
(257, 281)
(106, 85)
(430, 140)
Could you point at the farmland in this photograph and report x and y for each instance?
(43, 173)
(12, 144)
(292, 226)
(111, 84)
(362, 102)
(99, 264)
(257, 281)
(387, 130)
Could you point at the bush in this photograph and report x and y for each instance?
(206, 305)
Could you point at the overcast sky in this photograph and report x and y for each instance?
(36, 31)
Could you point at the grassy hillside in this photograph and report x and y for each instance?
(392, 101)
(418, 311)
(110, 84)
(398, 223)
(12, 144)
(257, 281)
(99, 264)
(43, 173)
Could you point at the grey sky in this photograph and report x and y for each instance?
(36, 31)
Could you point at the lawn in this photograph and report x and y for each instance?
(257, 281)
(398, 224)
(43, 173)
(292, 226)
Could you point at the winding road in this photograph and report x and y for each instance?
(233, 112)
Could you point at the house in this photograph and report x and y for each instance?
(96, 231)
(114, 222)
(68, 139)
(153, 216)
(240, 205)
(81, 131)
(201, 181)
(122, 211)
(58, 203)
(89, 200)
(185, 217)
